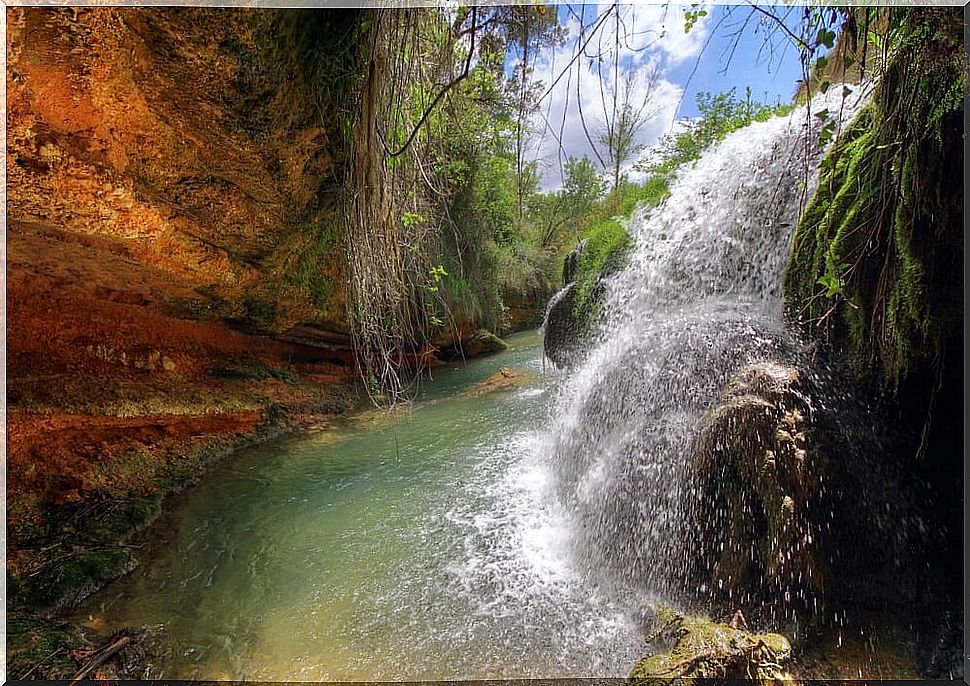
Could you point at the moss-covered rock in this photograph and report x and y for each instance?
(67, 581)
(876, 264)
(39, 648)
(573, 311)
(480, 343)
(699, 648)
(762, 466)
(876, 261)
(563, 333)
(484, 343)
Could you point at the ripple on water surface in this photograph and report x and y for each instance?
(428, 546)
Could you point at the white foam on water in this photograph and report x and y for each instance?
(699, 297)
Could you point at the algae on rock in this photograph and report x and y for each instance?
(700, 648)
(762, 464)
(876, 261)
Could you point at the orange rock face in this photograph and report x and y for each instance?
(154, 128)
(172, 270)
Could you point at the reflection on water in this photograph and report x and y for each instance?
(428, 544)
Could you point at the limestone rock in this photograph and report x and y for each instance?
(570, 266)
(699, 648)
(524, 309)
(763, 467)
(484, 343)
(480, 343)
(563, 340)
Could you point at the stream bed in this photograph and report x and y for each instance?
(424, 543)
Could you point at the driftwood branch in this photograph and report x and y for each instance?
(100, 658)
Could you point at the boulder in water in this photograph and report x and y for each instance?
(574, 311)
(570, 265)
(699, 648)
(762, 467)
(482, 342)
(562, 332)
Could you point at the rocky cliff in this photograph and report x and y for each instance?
(175, 280)
(876, 265)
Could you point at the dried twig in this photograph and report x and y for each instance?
(100, 658)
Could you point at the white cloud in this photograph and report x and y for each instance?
(649, 37)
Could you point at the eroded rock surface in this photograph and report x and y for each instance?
(763, 466)
(699, 648)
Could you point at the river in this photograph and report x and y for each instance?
(424, 543)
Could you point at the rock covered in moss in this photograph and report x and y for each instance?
(699, 648)
(570, 265)
(573, 312)
(484, 343)
(562, 332)
(40, 648)
(762, 465)
(876, 271)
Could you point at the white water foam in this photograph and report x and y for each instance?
(699, 298)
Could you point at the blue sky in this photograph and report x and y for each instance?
(663, 66)
(771, 71)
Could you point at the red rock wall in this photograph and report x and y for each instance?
(163, 185)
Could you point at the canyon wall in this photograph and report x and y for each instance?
(175, 278)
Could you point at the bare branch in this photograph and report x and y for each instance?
(434, 103)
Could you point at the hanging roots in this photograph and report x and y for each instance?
(387, 256)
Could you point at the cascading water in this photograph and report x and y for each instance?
(699, 299)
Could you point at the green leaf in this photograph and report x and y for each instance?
(826, 134)
(826, 38)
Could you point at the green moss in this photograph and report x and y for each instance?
(70, 551)
(39, 648)
(606, 244)
(630, 196)
(704, 649)
(319, 249)
(889, 208)
(68, 579)
(251, 370)
(461, 299)
(126, 518)
(88, 550)
(260, 311)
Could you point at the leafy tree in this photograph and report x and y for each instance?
(582, 189)
(528, 30)
(583, 186)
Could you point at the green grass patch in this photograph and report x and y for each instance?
(606, 242)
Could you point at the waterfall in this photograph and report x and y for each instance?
(699, 299)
